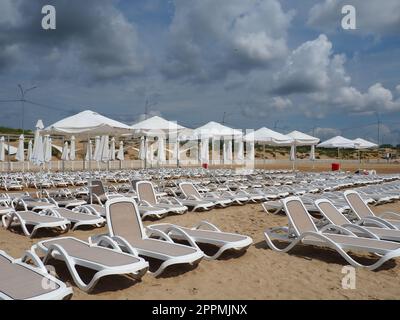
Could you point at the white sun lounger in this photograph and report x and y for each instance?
(22, 281)
(104, 261)
(126, 229)
(335, 217)
(363, 212)
(302, 230)
(206, 233)
(28, 219)
(147, 197)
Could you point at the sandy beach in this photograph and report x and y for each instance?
(260, 273)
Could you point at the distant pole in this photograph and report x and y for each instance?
(23, 93)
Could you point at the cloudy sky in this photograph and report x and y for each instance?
(284, 64)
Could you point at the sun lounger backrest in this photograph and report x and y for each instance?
(357, 204)
(146, 192)
(123, 219)
(98, 188)
(330, 212)
(189, 190)
(298, 215)
(19, 282)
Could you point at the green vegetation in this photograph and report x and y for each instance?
(6, 130)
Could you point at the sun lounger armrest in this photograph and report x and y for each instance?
(390, 215)
(206, 225)
(182, 232)
(144, 203)
(377, 220)
(193, 197)
(337, 228)
(50, 212)
(154, 232)
(32, 256)
(361, 229)
(104, 240)
(122, 242)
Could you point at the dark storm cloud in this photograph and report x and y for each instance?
(94, 31)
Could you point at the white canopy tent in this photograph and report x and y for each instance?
(155, 127)
(89, 123)
(302, 139)
(364, 144)
(217, 131)
(65, 152)
(338, 143)
(72, 149)
(268, 137)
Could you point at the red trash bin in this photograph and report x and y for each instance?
(335, 166)
(205, 165)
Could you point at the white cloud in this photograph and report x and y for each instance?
(208, 40)
(311, 67)
(325, 133)
(281, 103)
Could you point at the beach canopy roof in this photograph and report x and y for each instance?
(215, 129)
(303, 139)
(364, 144)
(155, 126)
(338, 142)
(87, 122)
(269, 136)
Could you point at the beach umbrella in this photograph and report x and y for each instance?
(112, 149)
(161, 150)
(2, 149)
(64, 155)
(120, 155)
(239, 151)
(338, 142)
(37, 151)
(150, 152)
(89, 151)
(105, 149)
(20, 152)
(204, 155)
(72, 149)
(227, 155)
(312, 153)
(97, 148)
(293, 153)
(29, 150)
(142, 148)
(47, 148)
(65, 152)
(250, 151)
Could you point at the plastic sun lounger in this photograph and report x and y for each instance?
(22, 281)
(191, 193)
(363, 212)
(302, 230)
(104, 261)
(126, 229)
(206, 233)
(147, 197)
(194, 203)
(76, 218)
(35, 220)
(335, 217)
